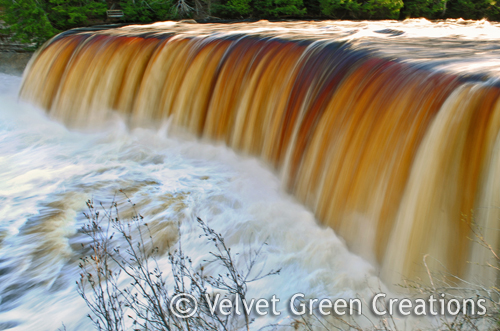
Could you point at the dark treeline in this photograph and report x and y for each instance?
(34, 21)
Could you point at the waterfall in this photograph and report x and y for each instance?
(396, 156)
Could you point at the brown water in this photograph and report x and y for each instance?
(387, 131)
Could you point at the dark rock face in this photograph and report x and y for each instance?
(13, 63)
(13, 55)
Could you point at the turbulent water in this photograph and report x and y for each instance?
(386, 131)
(48, 172)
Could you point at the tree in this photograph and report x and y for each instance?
(26, 22)
(279, 8)
(233, 8)
(260, 8)
(473, 9)
(371, 9)
(145, 12)
(423, 8)
(67, 14)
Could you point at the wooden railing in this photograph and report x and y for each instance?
(114, 13)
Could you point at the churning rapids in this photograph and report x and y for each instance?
(48, 172)
(386, 131)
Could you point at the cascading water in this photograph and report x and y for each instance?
(49, 172)
(386, 131)
(387, 152)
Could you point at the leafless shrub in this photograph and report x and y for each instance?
(458, 288)
(123, 285)
(125, 288)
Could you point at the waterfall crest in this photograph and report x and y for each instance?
(391, 154)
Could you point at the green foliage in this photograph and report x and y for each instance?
(382, 8)
(312, 8)
(339, 8)
(141, 11)
(233, 8)
(260, 8)
(467, 9)
(26, 21)
(361, 9)
(279, 8)
(67, 14)
(473, 9)
(423, 8)
(35, 21)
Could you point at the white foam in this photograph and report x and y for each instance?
(47, 173)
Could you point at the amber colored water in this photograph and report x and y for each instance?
(391, 142)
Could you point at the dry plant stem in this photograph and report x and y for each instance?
(124, 249)
(121, 249)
